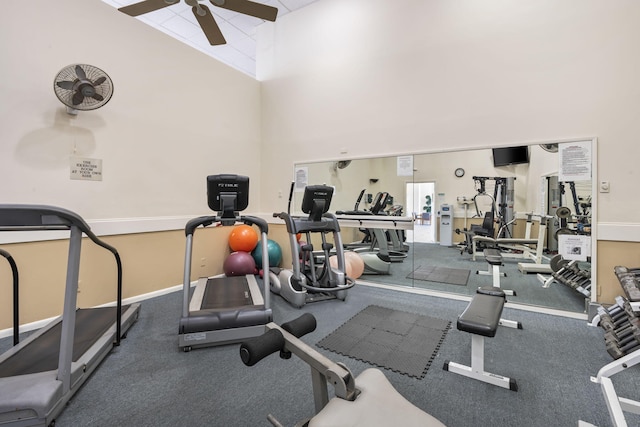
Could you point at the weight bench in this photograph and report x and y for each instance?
(494, 259)
(368, 400)
(481, 319)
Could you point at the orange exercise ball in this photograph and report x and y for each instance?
(243, 238)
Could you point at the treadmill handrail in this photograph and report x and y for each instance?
(16, 296)
(206, 221)
(22, 217)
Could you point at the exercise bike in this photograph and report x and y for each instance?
(312, 277)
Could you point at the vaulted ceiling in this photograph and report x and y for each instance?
(179, 22)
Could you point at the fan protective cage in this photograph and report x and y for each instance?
(92, 74)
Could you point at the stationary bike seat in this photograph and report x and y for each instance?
(378, 405)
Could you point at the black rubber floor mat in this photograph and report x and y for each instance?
(396, 340)
(452, 276)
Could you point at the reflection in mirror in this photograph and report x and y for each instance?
(470, 219)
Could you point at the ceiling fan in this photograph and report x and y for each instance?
(203, 14)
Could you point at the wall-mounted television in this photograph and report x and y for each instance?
(510, 156)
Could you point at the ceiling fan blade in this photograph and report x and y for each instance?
(99, 81)
(146, 6)
(77, 99)
(208, 25)
(80, 73)
(65, 85)
(247, 7)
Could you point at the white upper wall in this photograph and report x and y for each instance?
(355, 78)
(176, 115)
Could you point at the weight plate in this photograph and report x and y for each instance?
(557, 263)
(563, 212)
(563, 230)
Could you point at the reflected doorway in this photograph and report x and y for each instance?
(420, 203)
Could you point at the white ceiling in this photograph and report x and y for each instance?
(239, 30)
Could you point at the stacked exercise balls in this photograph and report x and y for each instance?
(242, 240)
(274, 252)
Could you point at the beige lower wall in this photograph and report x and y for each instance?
(611, 254)
(154, 261)
(151, 262)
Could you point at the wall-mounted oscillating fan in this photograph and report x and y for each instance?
(203, 14)
(340, 165)
(82, 87)
(552, 148)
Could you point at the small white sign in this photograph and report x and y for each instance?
(574, 247)
(301, 178)
(86, 169)
(405, 166)
(575, 161)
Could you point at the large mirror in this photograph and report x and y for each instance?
(513, 216)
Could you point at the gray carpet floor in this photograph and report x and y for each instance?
(148, 381)
(528, 289)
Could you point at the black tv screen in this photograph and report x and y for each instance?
(510, 156)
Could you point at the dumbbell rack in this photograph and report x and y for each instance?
(621, 323)
(572, 275)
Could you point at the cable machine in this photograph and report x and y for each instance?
(502, 202)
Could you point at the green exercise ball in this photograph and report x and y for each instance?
(273, 250)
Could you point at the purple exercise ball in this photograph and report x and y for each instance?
(239, 264)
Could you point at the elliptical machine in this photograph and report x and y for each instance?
(312, 278)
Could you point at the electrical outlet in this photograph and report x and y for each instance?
(203, 262)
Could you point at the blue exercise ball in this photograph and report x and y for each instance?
(273, 250)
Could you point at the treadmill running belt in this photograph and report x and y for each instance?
(226, 292)
(41, 355)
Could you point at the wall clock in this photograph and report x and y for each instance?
(459, 172)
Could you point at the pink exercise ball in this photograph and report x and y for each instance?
(356, 262)
(333, 262)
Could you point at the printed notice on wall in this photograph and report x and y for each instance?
(575, 161)
(86, 169)
(574, 247)
(405, 165)
(301, 178)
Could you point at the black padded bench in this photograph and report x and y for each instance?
(494, 259)
(481, 319)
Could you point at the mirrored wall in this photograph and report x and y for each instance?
(538, 200)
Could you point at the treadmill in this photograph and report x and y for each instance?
(39, 375)
(224, 310)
